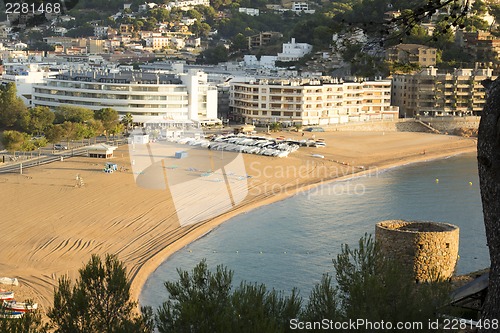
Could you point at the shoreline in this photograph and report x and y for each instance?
(208, 226)
(51, 226)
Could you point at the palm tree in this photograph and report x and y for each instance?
(127, 120)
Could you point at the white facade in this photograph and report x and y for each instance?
(302, 7)
(187, 4)
(25, 76)
(294, 51)
(250, 61)
(147, 96)
(311, 101)
(100, 31)
(249, 11)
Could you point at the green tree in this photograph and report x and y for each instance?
(214, 55)
(109, 118)
(30, 322)
(37, 119)
(95, 128)
(99, 301)
(85, 30)
(203, 301)
(11, 106)
(72, 113)
(239, 42)
(117, 129)
(127, 120)
(14, 140)
(323, 302)
(372, 287)
(200, 29)
(54, 133)
(275, 127)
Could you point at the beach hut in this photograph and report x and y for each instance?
(140, 139)
(101, 150)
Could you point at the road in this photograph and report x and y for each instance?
(50, 156)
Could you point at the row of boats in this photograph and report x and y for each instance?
(250, 144)
(11, 309)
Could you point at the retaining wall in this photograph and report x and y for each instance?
(408, 125)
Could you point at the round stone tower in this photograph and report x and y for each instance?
(430, 249)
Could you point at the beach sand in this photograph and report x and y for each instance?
(50, 227)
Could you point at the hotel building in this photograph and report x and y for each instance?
(311, 101)
(150, 97)
(431, 93)
(24, 76)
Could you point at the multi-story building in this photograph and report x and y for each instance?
(150, 97)
(100, 31)
(157, 42)
(24, 76)
(431, 93)
(262, 39)
(481, 45)
(311, 101)
(302, 7)
(294, 51)
(413, 53)
(187, 4)
(96, 46)
(249, 11)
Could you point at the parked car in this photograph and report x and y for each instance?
(314, 129)
(60, 147)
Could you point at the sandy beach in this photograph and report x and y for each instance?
(50, 227)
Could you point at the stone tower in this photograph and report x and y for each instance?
(430, 249)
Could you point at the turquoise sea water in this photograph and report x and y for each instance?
(291, 243)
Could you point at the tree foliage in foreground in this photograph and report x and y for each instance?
(31, 322)
(372, 287)
(11, 106)
(366, 285)
(99, 301)
(203, 301)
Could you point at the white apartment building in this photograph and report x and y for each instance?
(25, 75)
(187, 4)
(249, 11)
(294, 51)
(302, 7)
(311, 101)
(150, 97)
(433, 93)
(251, 61)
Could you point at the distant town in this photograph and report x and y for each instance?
(167, 63)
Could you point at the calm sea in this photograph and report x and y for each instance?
(291, 243)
